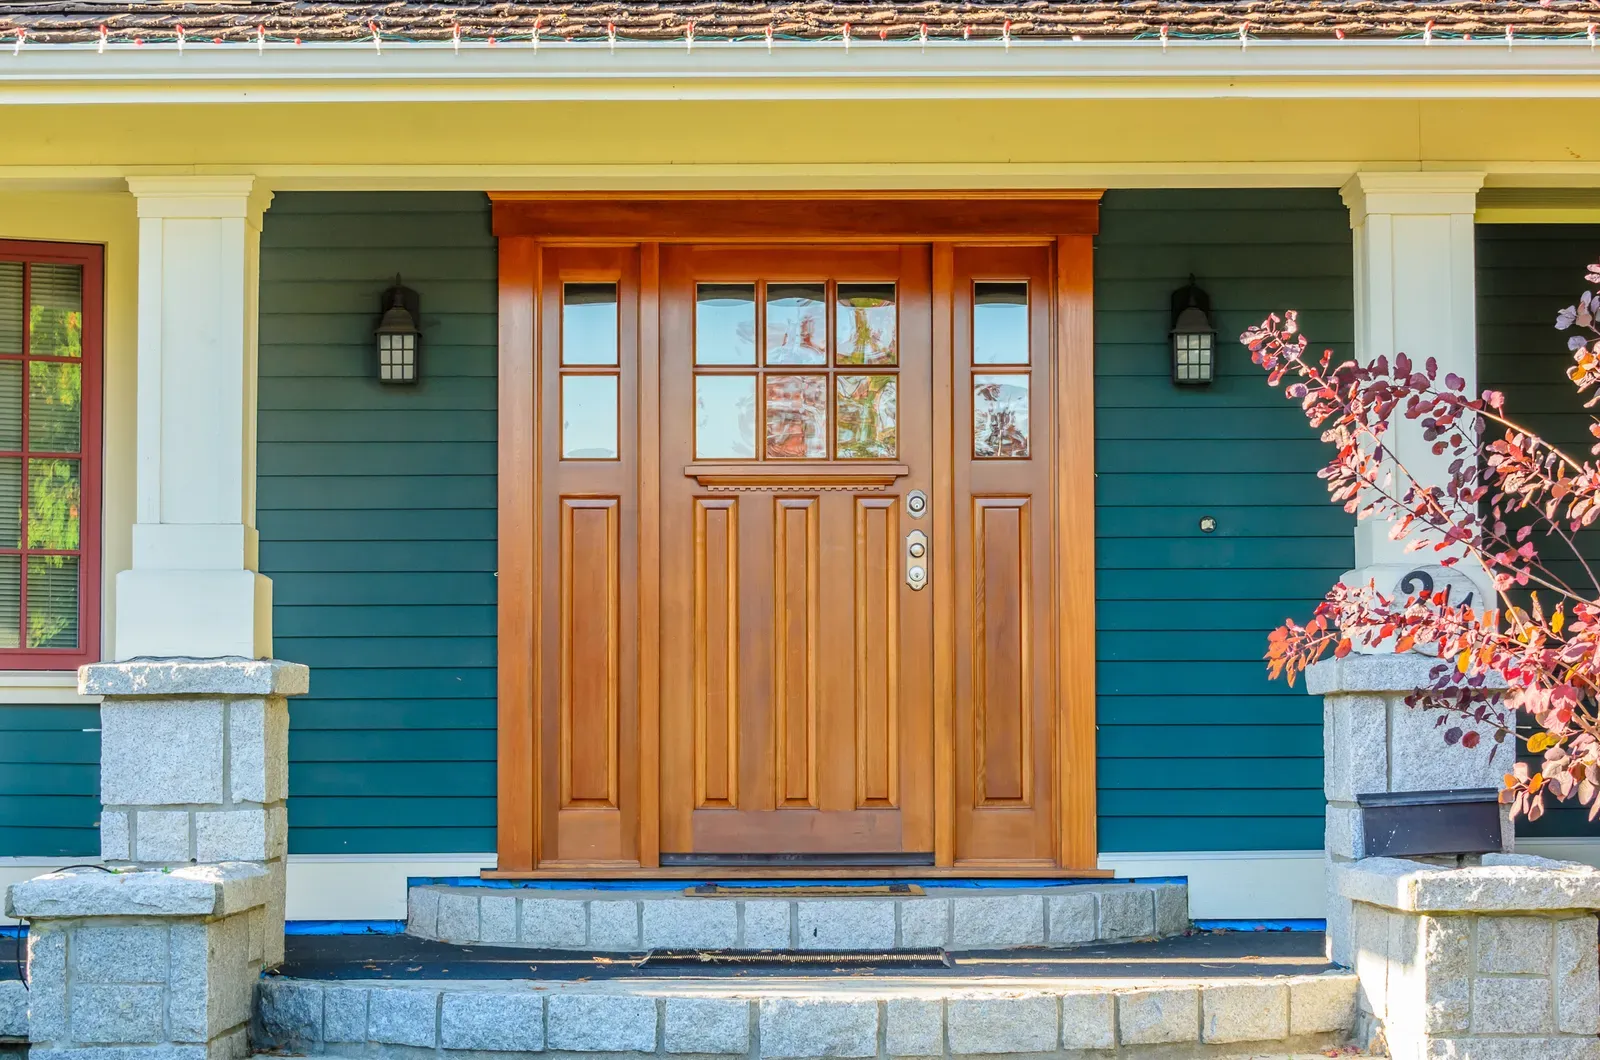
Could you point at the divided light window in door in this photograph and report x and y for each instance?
(796, 371)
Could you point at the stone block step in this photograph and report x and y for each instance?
(953, 918)
(13, 1011)
(788, 1019)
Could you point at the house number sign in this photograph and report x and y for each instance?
(1459, 589)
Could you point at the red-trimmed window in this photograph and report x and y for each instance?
(50, 377)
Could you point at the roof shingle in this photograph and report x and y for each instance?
(77, 21)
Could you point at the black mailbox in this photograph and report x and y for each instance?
(1408, 823)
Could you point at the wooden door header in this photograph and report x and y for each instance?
(793, 217)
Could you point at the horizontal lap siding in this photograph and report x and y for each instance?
(1197, 750)
(377, 516)
(49, 781)
(1525, 274)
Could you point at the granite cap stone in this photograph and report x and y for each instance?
(193, 890)
(229, 676)
(1503, 883)
(1387, 672)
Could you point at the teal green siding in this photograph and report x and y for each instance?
(1525, 274)
(49, 781)
(377, 516)
(1197, 749)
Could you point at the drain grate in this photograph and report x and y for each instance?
(853, 890)
(930, 958)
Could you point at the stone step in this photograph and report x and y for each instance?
(952, 918)
(13, 1012)
(796, 1019)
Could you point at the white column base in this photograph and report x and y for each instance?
(193, 613)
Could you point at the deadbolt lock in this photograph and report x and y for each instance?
(916, 559)
(916, 504)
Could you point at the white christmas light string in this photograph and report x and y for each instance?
(179, 38)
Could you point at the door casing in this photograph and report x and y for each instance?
(628, 231)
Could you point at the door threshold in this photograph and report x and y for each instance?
(887, 859)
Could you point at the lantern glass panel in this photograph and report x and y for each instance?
(1192, 357)
(397, 358)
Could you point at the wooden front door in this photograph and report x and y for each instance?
(796, 466)
(796, 538)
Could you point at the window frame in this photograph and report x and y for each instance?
(91, 589)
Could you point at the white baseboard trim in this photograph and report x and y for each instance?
(1238, 884)
(1223, 884)
(366, 886)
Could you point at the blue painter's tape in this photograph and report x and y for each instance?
(1262, 925)
(345, 927)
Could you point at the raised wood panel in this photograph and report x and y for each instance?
(877, 650)
(797, 594)
(800, 831)
(716, 639)
(1002, 578)
(590, 650)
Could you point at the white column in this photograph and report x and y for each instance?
(1415, 294)
(194, 589)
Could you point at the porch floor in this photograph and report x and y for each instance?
(1202, 955)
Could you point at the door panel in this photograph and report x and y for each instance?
(796, 713)
(1004, 489)
(588, 474)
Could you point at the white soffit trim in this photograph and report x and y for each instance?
(434, 71)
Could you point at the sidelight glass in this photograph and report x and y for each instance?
(797, 328)
(52, 601)
(10, 308)
(725, 417)
(1000, 322)
(797, 416)
(589, 417)
(865, 331)
(55, 413)
(1000, 415)
(55, 310)
(589, 323)
(725, 323)
(867, 416)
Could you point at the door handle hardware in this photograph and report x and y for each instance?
(916, 504)
(917, 559)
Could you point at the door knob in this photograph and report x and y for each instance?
(916, 563)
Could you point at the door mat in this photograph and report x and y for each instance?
(863, 890)
(777, 959)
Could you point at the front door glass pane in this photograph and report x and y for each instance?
(866, 324)
(589, 323)
(725, 417)
(1000, 322)
(1000, 415)
(797, 330)
(725, 323)
(797, 416)
(589, 417)
(866, 417)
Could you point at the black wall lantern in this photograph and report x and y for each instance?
(1194, 339)
(399, 337)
